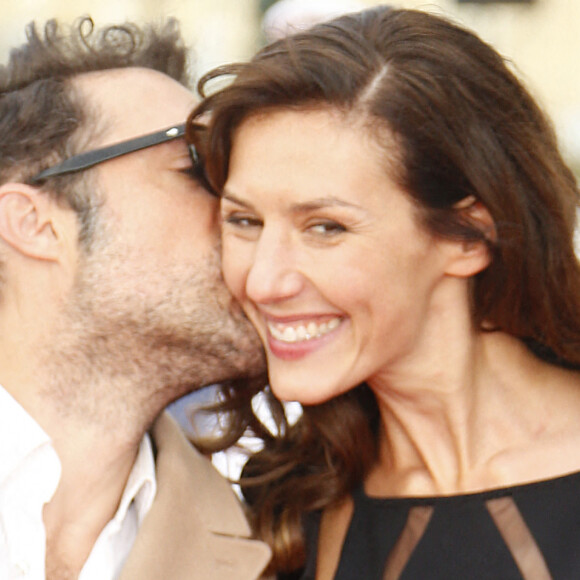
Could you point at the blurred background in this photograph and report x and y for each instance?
(540, 37)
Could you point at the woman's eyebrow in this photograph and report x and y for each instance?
(299, 207)
(323, 202)
(228, 196)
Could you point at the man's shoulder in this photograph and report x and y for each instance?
(196, 526)
(178, 462)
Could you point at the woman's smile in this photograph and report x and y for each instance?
(303, 331)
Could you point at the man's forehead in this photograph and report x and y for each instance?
(129, 102)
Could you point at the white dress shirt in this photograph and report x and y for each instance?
(30, 471)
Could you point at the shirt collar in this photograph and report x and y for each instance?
(25, 435)
(28, 438)
(141, 485)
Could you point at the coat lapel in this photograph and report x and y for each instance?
(196, 528)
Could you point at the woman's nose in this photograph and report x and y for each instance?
(274, 275)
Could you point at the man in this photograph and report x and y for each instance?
(111, 306)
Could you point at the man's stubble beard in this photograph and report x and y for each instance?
(132, 339)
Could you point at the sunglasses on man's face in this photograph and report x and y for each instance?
(89, 159)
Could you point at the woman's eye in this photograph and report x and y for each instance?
(242, 221)
(327, 228)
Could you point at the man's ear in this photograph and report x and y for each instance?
(472, 257)
(27, 221)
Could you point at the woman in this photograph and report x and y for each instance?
(398, 225)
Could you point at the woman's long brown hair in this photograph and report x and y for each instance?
(465, 126)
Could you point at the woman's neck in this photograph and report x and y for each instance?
(482, 415)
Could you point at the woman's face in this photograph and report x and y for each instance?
(325, 252)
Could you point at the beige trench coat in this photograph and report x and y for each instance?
(196, 529)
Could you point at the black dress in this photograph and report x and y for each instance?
(526, 532)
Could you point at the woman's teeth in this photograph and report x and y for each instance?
(303, 332)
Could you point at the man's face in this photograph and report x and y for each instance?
(149, 291)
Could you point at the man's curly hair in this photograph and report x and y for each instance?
(42, 116)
